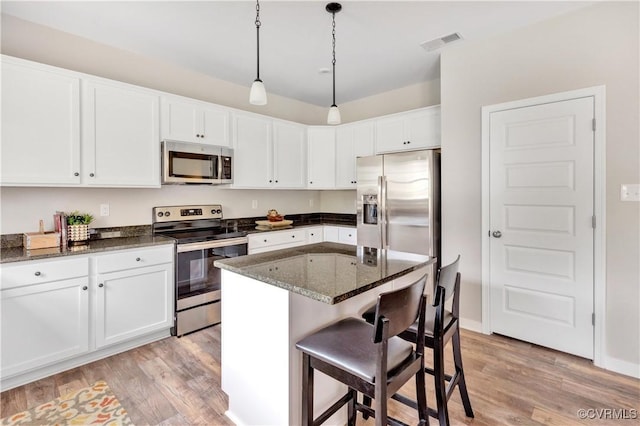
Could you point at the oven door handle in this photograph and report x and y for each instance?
(181, 248)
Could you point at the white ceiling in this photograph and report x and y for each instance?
(377, 42)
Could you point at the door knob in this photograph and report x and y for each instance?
(497, 234)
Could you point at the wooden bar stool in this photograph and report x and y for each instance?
(440, 327)
(369, 359)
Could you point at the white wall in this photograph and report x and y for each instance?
(22, 208)
(38, 43)
(597, 45)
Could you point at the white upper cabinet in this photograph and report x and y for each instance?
(189, 120)
(252, 152)
(268, 153)
(40, 125)
(410, 130)
(289, 155)
(321, 159)
(352, 141)
(121, 143)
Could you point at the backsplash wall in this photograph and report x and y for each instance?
(22, 208)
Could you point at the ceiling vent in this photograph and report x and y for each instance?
(437, 43)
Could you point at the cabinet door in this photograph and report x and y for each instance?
(40, 125)
(121, 136)
(252, 152)
(422, 128)
(331, 234)
(132, 303)
(43, 324)
(181, 120)
(214, 129)
(321, 158)
(390, 134)
(289, 155)
(352, 141)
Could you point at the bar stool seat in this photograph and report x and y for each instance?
(347, 345)
(369, 358)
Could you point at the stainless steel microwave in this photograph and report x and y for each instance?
(185, 163)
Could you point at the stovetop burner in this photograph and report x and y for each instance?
(192, 223)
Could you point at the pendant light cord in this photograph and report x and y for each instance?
(333, 62)
(258, 23)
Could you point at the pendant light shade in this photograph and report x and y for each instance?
(334, 112)
(258, 94)
(334, 115)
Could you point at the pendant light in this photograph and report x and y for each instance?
(258, 94)
(334, 112)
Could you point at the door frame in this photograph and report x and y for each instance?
(599, 203)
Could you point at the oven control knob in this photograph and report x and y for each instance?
(218, 211)
(160, 214)
(167, 214)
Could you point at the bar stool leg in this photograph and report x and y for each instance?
(421, 395)
(440, 384)
(351, 420)
(307, 391)
(462, 384)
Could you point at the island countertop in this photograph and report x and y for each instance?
(327, 272)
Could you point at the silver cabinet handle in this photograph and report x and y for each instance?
(497, 234)
(138, 259)
(100, 285)
(84, 287)
(38, 273)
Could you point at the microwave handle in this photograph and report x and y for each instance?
(219, 167)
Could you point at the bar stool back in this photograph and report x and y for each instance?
(369, 359)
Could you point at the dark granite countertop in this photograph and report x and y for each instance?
(18, 254)
(327, 272)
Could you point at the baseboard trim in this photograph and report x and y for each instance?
(621, 366)
(471, 325)
(233, 418)
(7, 383)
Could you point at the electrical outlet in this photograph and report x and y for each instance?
(104, 209)
(630, 192)
(310, 202)
(254, 204)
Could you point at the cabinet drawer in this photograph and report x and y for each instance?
(134, 258)
(38, 272)
(315, 235)
(347, 235)
(269, 239)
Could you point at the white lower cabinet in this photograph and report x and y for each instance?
(340, 234)
(45, 312)
(275, 240)
(61, 313)
(134, 301)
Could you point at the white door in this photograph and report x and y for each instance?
(541, 210)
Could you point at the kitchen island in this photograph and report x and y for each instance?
(272, 300)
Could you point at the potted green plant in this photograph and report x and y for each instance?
(78, 226)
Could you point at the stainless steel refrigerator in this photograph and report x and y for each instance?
(398, 202)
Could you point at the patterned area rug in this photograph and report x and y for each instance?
(94, 405)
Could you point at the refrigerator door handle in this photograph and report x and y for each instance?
(382, 189)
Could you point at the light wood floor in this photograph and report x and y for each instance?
(177, 381)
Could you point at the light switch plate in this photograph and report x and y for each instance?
(630, 192)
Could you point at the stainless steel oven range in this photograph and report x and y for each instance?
(201, 239)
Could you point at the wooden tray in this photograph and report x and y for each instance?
(266, 223)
